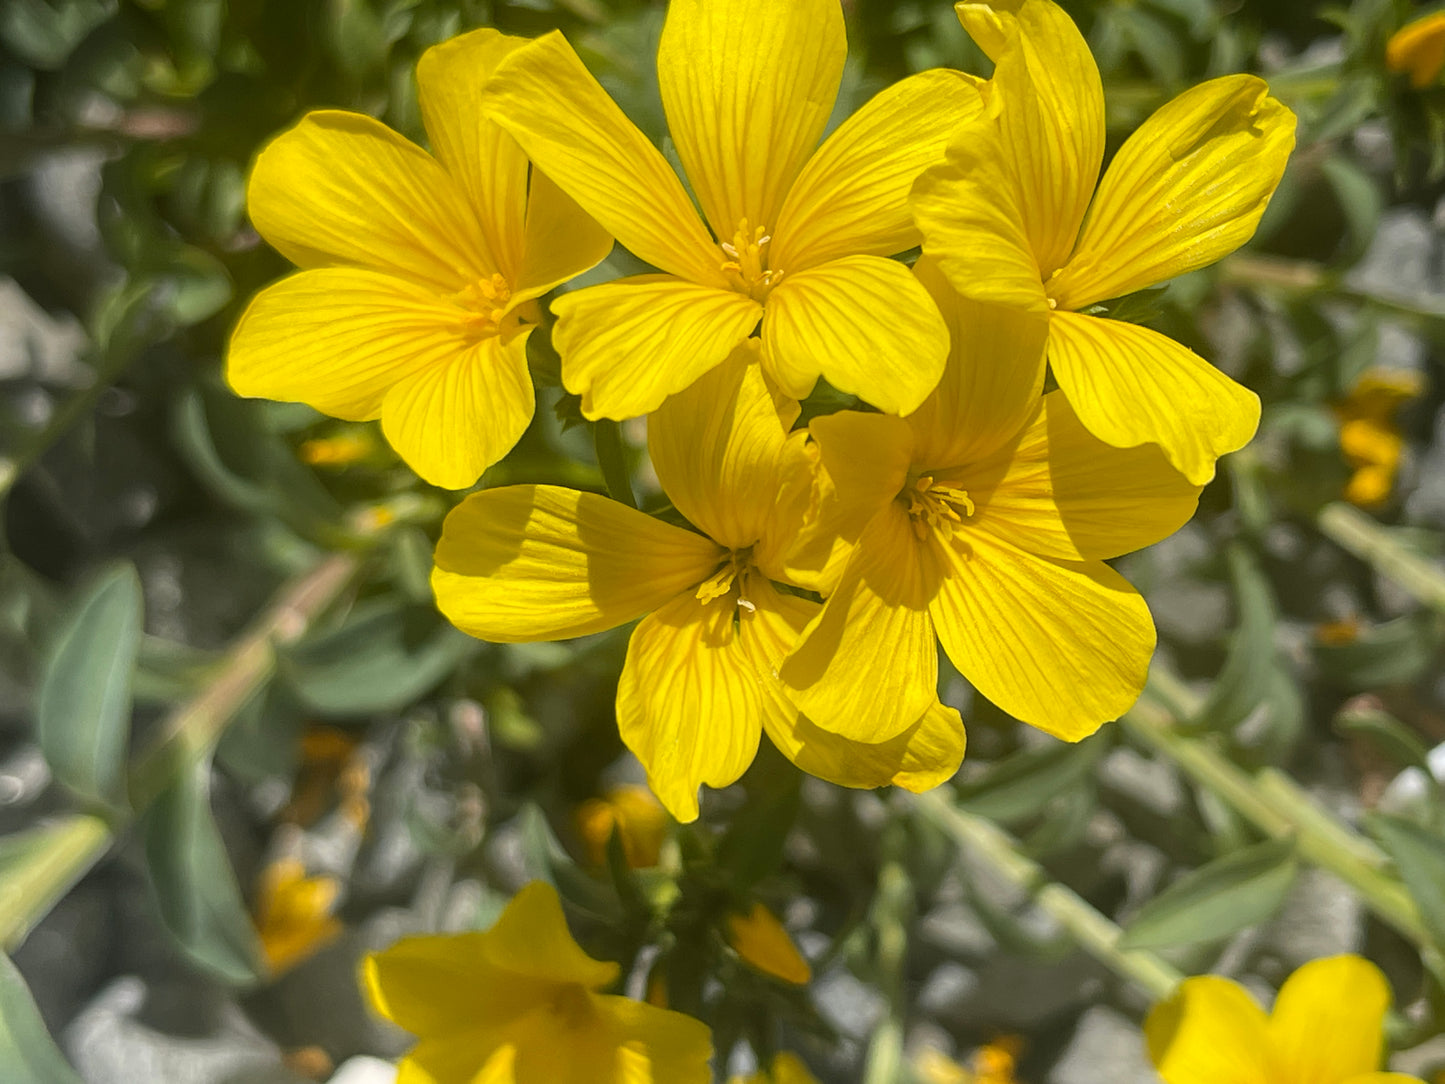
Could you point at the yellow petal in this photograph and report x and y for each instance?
(544, 563)
(797, 494)
(687, 703)
(990, 387)
(748, 86)
(1049, 104)
(531, 939)
(1329, 1019)
(561, 241)
(1133, 386)
(1063, 647)
(1418, 48)
(627, 345)
(717, 448)
(453, 419)
(575, 134)
(435, 986)
(1061, 492)
(1186, 189)
(483, 159)
(852, 196)
(658, 1046)
(338, 339)
(867, 666)
(1386, 1078)
(863, 322)
(763, 941)
(341, 188)
(479, 1056)
(1209, 1031)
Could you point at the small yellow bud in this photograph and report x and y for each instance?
(761, 940)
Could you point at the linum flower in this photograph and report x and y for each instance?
(419, 271)
(1326, 1028)
(698, 688)
(982, 520)
(294, 914)
(518, 1004)
(1418, 48)
(799, 238)
(1013, 216)
(1369, 435)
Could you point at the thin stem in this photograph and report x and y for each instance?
(612, 458)
(1093, 932)
(1369, 541)
(892, 912)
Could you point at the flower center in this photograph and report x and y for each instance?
(572, 1007)
(725, 581)
(484, 304)
(936, 506)
(746, 262)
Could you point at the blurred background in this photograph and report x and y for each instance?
(239, 748)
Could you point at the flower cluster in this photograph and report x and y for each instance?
(807, 573)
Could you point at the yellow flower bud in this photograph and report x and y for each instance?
(761, 940)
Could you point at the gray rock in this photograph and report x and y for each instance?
(1106, 1048)
(1320, 917)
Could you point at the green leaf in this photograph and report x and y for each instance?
(28, 1055)
(1216, 900)
(194, 886)
(549, 861)
(1393, 653)
(753, 845)
(40, 865)
(1023, 783)
(44, 33)
(1419, 856)
(82, 710)
(1360, 200)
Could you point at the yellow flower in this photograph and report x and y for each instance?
(1369, 438)
(1326, 1028)
(518, 1004)
(760, 939)
(636, 817)
(293, 914)
(983, 520)
(796, 238)
(420, 271)
(1418, 48)
(991, 1064)
(698, 688)
(1013, 216)
(786, 1068)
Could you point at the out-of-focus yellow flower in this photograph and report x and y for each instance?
(1327, 1027)
(518, 1004)
(1336, 633)
(991, 1064)
(293, 913)
(763, 941)
(419, 271)
(341, 450)
(1418, 48)
(1369, 438)
(787, 1068)
(636, 816)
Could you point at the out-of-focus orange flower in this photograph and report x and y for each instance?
(1418, 48)
(638, 819)
(293, 913)
(991, 1064)
(1369, 438)
(341, 449)
(761, 940)
(1337, 633)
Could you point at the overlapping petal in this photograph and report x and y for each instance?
(545, 563)
(1209, 1031)
(560, 240)
(1328, 1020)
(1131, 386)
(748, 86)
(531, 938)
(627, 345)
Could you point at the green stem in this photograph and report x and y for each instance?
(1369, 541)
(612, 458)
(892, 911)
(47, 863)
(1093, 932)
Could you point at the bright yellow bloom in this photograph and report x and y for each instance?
(983, 520)
(991, 1064)
(1369, 437)
(293, 914)
(698, 688)
(638, 820)
(760, 939)
(1013, 216)
(518, 1004)
(420, 271)
(1418, 48)
(1326, 1028)
(796, 238)
(786, 1068)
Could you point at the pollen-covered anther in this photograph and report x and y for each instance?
(746, 263)
(725, 581)
(485, 304)
(936, 506)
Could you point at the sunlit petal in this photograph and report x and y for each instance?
(1329, 1018)
(1209, 1031)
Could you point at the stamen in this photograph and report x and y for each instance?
(485, 304)
(936, 507)
(746, 263)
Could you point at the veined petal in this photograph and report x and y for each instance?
(1063, 493)
(544, 563)
(798, 493)
(1329, 1019)
(342, 188)
(453, 419)
(573, 132)
(990, 387)
(1048, 102)
(339, 338)
(1209, 1031)
(483, 159)
(1186, 189)
(748, 86)
(561, 242)
(688, 704)
(1131, 385)
(717, 448)
(852, 196)
(627, 345)
(863, 322)
(867, 666)
(1062, 646)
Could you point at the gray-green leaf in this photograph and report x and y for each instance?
(28, 1055)
(1419, 855)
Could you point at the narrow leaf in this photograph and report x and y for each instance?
(1419, 855)
(28, 1054)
